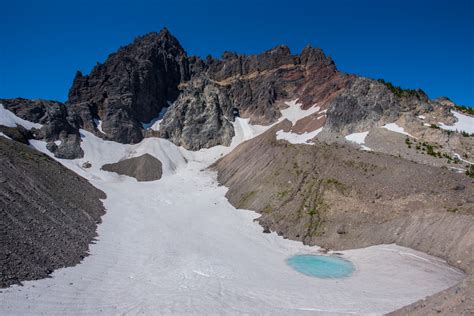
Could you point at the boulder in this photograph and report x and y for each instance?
(143, 168)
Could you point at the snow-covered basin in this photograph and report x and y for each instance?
(177, 246)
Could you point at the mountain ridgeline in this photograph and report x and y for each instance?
(134, 84)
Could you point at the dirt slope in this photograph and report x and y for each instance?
(341, 198)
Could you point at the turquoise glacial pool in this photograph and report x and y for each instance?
(324, 267)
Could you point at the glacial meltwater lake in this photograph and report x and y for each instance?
(324, 267)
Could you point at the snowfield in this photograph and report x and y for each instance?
(177, 246)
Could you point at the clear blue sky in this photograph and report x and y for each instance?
(426, 44)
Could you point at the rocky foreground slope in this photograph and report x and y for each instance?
(48, 214)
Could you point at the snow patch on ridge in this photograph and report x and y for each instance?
(294, 112)
(9, 119)
(295, 138)
(3, 135)
(464, 123)
(154, 124)
(397, 129)
(98, 124)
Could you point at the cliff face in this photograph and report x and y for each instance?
(131, 87)
(253, 87)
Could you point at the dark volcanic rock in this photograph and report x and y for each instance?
(57, 125)
(19, 133)
(30, 110)
(45, 221)
(365, 100)
(201, 117)
(143, 168)
(130, 87)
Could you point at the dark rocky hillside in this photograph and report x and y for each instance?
(48, 214)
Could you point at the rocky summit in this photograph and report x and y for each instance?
(331, 162)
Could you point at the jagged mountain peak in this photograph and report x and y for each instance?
(134, 84)
(163, 39)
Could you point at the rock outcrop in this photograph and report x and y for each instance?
(201, 117)
(59, 130)
(48, 214)
(143, 168)
(130, 87)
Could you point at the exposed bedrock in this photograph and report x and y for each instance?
(59, 129)
(48, 214)
(201, 117)
(131, 86)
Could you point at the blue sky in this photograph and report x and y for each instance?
(425, 44)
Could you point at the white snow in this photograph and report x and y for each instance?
(177, 246)
(9, 119)
(154, 124)
(397, 129)
(458, 170)
(1, 134)
(99, 152)
(294, 112)
(295, 138)
(464, 123)
(98, 123)
(359, 138)
(463, 160)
